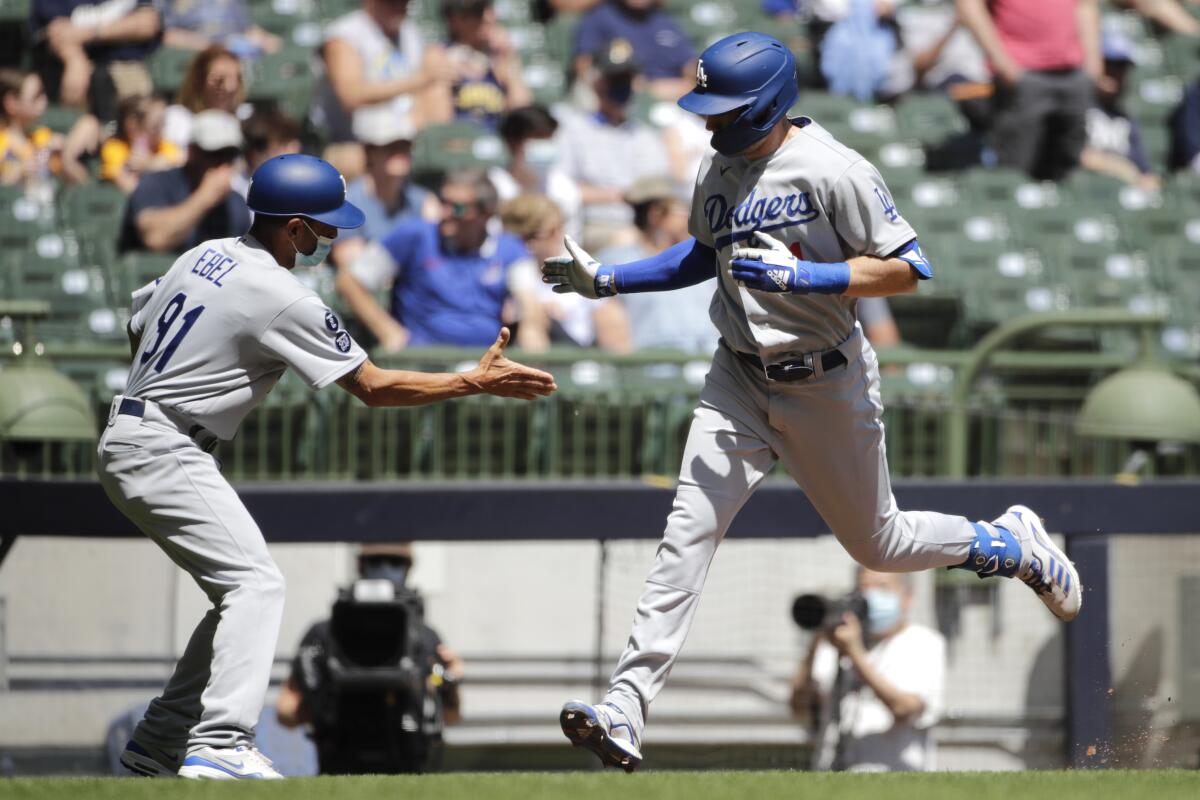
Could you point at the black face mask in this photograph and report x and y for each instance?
(619, 90)
(387, 569)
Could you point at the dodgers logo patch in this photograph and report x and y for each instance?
(343, 342)
(889, 206)
(331, 321)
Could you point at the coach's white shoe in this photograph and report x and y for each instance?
(149, 761)
(1044, 567)
(228, 763)
(605, 730)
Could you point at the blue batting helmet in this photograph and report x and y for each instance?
(751, 71)
(302, 186)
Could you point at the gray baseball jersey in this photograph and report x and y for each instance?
(221, 327)
(217, 331)
(827, 204)
(820, 198)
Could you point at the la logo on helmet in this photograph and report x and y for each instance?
(701, 77)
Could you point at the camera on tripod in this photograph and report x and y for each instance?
(814, 612)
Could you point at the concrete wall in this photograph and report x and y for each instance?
(70, 602)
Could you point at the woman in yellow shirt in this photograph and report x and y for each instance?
(139, 146)
(22, 143)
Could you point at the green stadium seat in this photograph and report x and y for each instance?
(993, 186)
(135, 270)
(60, 118)
(15, 10)
(167, 67)
(929, 117)
(1099, 275)
(284, 78)
(457, 145)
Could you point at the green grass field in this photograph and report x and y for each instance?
(1090, 785)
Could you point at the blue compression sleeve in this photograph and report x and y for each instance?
(684, 264)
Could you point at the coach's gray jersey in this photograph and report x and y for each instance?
(823, 200)
(222, 326)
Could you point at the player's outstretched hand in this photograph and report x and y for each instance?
(503, 378)
(770, 267)
(577, 273)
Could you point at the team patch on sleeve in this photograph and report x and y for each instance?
(343, 342)
(331, 321)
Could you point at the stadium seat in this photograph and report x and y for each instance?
(457, 145)
(167, 66)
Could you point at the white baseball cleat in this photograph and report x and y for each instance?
(228, 763)
(149, 761)
(605, 730)
(1044, 567)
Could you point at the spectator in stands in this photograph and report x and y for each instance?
(1184, 124)
(936, 53)
(177, 209)
(375, 56)
(677, 321)
(545, 10)
(213, 80)
(25, 147)
(659, 45)
(857, 52)
(305, 688)
(199, 24)
(1114, 144)
(535, 163)
(449, 280)
(872, 689)
(138, 146)
(267, 133)
(384, 192)
(606, 152)
(547, 317)
(94, 54)
(818, 17)
(487, 68)
(1046, 61)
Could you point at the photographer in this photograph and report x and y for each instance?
(352, 687)
(871, 683)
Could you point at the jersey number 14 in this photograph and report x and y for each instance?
(169, 315)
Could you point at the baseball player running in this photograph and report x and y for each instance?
(210, 339)
(795, 227)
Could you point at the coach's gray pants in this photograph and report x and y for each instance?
(173, 491)
(828, 433)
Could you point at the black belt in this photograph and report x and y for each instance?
(206, 440)
(798, 369)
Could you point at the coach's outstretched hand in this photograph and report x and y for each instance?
(503, 378)
(577, 272)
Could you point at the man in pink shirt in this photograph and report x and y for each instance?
(1045, 59)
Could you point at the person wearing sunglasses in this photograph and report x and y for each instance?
(448, 281)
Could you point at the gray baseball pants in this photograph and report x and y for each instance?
(173, 491)
(828, 433)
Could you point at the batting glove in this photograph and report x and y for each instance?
(772, 268)
(579, 273)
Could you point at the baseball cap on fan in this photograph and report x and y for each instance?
(214, 130)
(381, 125)
(616, 58)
